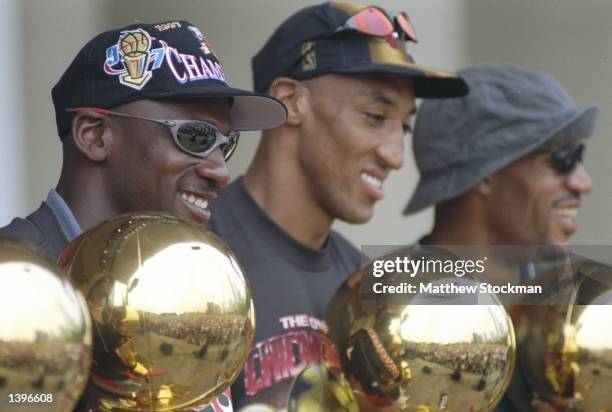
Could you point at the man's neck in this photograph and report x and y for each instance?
(477, 241)
(281, 191)
(84, 203)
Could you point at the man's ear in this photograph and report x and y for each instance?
(92, 135)
(484, 187)
(294, 96)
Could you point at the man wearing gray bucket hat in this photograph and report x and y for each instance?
(502, 166)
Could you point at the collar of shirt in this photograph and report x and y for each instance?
(67, 222)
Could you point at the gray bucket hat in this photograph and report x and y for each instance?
(509, 113)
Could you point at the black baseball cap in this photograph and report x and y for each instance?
(308, 44)
(166, 60)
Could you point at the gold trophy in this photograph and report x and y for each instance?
(565, 351)
(418, 357)
(319, 389)
(134, 47)
(45, 334)
(173, 318)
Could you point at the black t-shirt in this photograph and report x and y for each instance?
(292, 285)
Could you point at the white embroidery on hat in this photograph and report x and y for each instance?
(133, 60)
(187, 67)
(168, 26)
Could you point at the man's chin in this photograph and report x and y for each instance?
(561, 240)
(563, 245)
(358, 217)
(558, 245)
(191, 218)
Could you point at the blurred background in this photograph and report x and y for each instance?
(567, 38)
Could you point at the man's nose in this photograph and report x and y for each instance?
(579, 180)
(214, 167)
(391, 151)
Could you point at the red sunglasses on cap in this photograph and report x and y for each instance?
(376, 22)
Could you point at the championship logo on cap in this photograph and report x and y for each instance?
(133, 52)
(170, 59)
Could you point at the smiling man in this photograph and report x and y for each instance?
(147, 122)
(503, 166)
(349, 84)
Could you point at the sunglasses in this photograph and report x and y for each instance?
(195, 137)
(566, 159)
(376, 22)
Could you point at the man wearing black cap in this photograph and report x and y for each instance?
(349, 84)
(147, 122)
(503, 166)
(123, 150)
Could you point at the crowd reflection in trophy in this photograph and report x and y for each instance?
(401, 357)
(159, 343)
(147, 311)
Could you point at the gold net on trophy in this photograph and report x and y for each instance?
(45, 335)
(173, 319)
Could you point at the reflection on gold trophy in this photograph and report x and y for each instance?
(421, 357)
(45, 334)
(565, 351)
(172, 312)
(319, 389)
(134, 47)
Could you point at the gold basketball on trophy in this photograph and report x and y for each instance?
(45, 335)
(172, 314)
(417, 355)
(134, 43)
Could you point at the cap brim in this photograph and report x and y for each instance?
(253, 111)
(433, 189)
(249, 111)
(430, 190)
(428, 81)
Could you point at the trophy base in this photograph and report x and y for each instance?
(136, 83)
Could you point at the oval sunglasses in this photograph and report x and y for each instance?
(195, 137)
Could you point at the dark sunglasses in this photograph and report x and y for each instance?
(566, 159)
(376, 22)
(195, 137)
